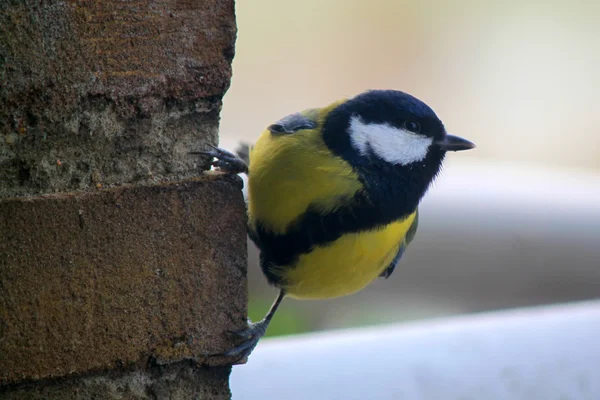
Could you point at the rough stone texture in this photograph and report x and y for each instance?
(176, 381)
(111, 279)
(119, 292)
(109, 92)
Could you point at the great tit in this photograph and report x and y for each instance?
(333, 194)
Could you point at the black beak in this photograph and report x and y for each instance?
(455, 143)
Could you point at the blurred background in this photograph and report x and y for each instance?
(515, 222)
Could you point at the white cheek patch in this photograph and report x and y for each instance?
(394, 145)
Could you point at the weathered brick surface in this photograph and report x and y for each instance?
(118, 292)
(181, 380)
(115, 278)
(109, 92)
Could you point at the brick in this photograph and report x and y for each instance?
(118, 278)
(109, 92)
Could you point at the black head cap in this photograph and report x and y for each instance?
(391, 107)
(397, 109)
(395, 141)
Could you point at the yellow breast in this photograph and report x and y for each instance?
(346, 265)
(289, 173)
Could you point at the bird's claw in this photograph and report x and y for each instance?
(224, 160)
(251, 336)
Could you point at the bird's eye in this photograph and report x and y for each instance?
(412, 126)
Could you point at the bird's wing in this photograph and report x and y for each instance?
(306, 119)
(410, 235)
(295, 122)
(412, 231)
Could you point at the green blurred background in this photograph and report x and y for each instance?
(520, 79)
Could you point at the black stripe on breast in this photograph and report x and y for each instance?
(313, 228)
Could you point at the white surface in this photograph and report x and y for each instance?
(534, 354)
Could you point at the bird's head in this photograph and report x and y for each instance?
(391, 127)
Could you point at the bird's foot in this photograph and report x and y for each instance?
(224, 160)
(251, 335)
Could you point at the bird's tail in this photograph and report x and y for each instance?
(243, 152)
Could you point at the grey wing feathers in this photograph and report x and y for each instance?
(410, 235)
(412, 231)
(292, 123)
(390, 268)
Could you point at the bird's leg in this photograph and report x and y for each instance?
(253, 333)
(224, 160)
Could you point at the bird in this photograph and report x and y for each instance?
(333, 194)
